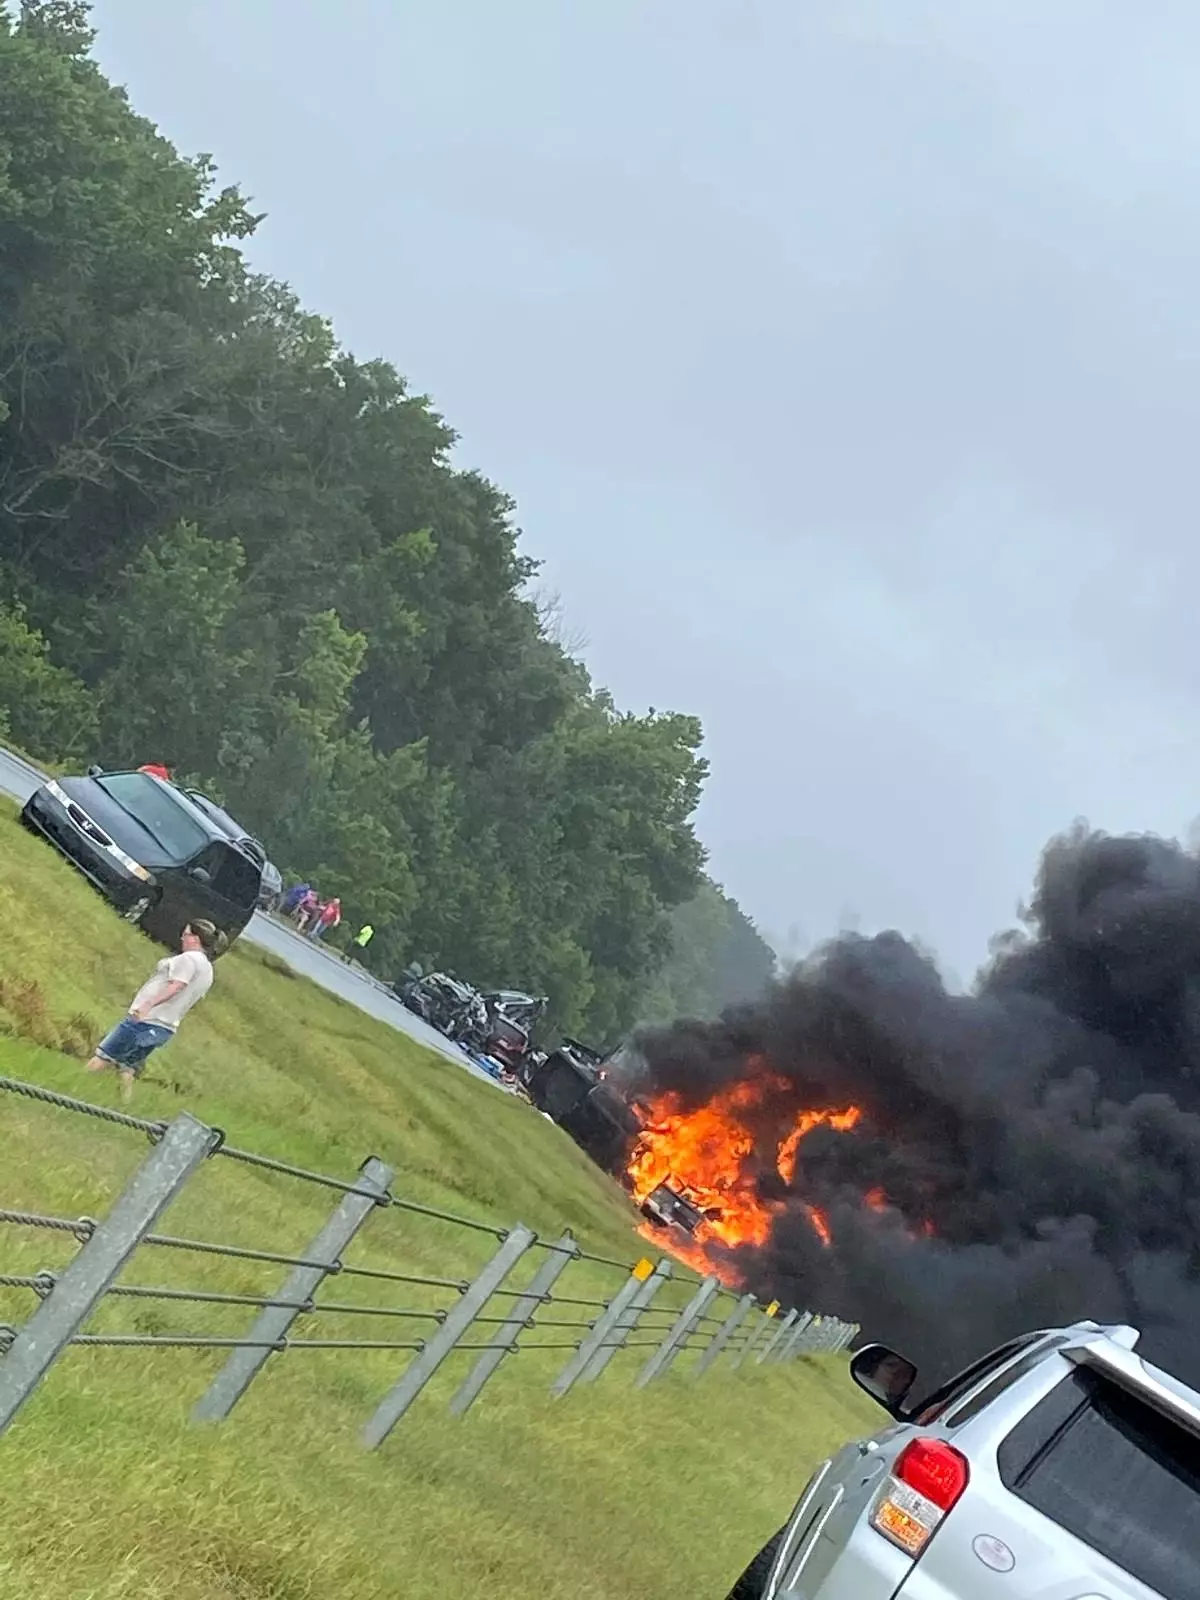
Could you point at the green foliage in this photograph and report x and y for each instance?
(253, 550)
(718, 958)
(62, 25)
(42, 707)
(175, 668)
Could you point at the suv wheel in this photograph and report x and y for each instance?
(752, 1584)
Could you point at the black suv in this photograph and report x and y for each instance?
(154, 854)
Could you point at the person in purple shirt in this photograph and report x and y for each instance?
(293, 897)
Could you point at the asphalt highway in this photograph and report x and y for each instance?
(19, 779)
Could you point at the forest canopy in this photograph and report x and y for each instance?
(229, 544)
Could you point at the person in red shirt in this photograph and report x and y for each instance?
(157, 770)
(328, 917)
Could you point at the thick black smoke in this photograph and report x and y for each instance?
(1047, 1124)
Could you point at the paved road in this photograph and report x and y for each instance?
(19, 779)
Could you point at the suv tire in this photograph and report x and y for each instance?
(753, 1582)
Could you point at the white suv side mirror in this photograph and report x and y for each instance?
(883, 1374)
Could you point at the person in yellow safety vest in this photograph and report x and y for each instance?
(364, 936)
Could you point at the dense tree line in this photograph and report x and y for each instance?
(717, 958)
(229, 544)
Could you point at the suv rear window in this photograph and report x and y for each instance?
(1116, 1474)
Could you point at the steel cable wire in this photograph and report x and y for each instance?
(67, 1102)
(197, 1341)
(236, 1252)
(81, 1227)
(447, 1216)
(270, 1164)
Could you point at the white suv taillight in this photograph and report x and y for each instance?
(929, 1479)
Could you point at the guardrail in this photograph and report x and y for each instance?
(488, 1312)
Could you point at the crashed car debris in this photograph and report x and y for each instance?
(668, 1207)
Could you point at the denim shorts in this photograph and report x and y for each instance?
(129, 1043)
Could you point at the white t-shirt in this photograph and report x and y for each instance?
(193, 969)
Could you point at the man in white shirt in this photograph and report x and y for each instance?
(160, 1005)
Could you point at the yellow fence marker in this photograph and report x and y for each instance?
(643, 1269)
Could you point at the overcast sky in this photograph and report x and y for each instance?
(841, 355)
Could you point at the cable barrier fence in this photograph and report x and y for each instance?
(382, 1273)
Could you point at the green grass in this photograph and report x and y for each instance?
(107, 1491)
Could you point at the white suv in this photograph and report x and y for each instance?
(1060, 1467)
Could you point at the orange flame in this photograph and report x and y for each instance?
(821, 1226)
(840, 1121)
(714, 1155)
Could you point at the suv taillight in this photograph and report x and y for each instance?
(928, 1479)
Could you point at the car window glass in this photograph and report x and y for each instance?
(982, 1398)
(942, 1399)
(209, 807)
(174, 828)
(1120, 1477)
(226, 823)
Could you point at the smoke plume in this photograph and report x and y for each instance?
(1046, 1127)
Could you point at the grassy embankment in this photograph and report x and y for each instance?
(107, 1492)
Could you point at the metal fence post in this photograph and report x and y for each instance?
(753, 1338)
(678, 1332)
(82, 1285)
(600, 1329)
(792, 1347)
(458, 1319)
(746, 1338)
(723, 1335)
(597, 1344)
(273, 1322)
(808, 1336)
(627, 1321)
(556, 1263)
(783, 1328)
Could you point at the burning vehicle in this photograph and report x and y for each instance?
(865, 1137)
(718, 1175)
(708, 1178)
(669, 1208)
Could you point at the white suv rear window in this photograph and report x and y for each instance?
(1116, 1474)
